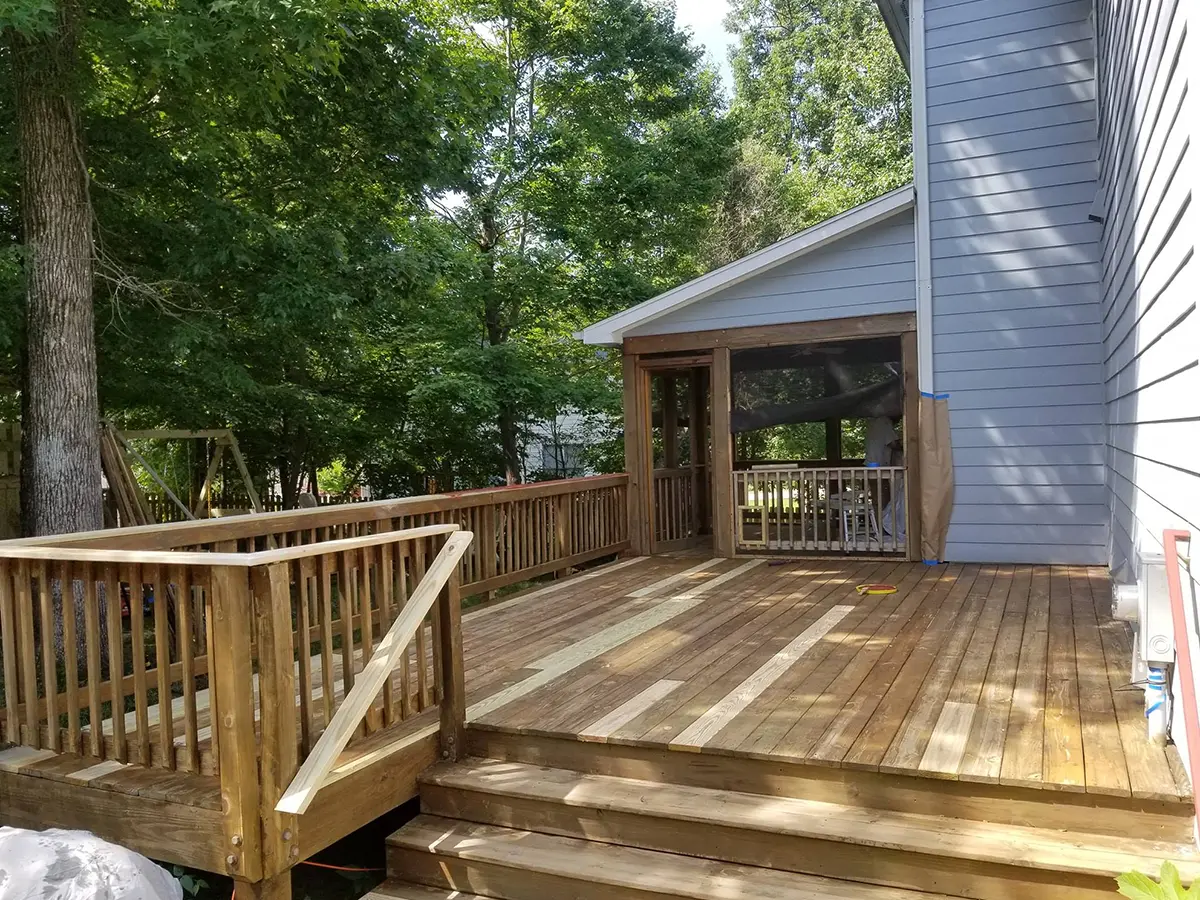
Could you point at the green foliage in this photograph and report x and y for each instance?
(823, 106)
(1137, 886)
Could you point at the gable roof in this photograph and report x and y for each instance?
(612, 330)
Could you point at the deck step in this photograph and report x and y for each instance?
(963, 857)
(394, 889)
(522, 865)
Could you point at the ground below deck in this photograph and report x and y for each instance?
(1006, 674)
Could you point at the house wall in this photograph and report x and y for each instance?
(1151, 383)
(866, 273)
(1018, 330)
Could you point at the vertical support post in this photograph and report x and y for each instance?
(696, 447)
(562, 530)
(277, 693)
(670, 423)
(912, 446)
(722, 454)
(231, 675)
(637, 440)
(454, 692)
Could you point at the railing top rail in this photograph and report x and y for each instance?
(200, 558)
(768, 468)
(161, 536)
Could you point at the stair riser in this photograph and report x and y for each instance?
(1148, 819)
(507, 883)
(809, 856)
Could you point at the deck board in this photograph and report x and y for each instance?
(1012, 674)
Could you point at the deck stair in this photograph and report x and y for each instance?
(511, 830)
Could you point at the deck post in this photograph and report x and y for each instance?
(277, 887)
(912, 446)
(277, 692)
(454, 692)
(722, 453)
(637, 440)
(231, 674)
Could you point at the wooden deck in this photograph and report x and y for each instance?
(1011, 675)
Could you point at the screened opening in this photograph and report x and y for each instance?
(815, 403)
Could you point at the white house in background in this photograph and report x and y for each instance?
(557, 448)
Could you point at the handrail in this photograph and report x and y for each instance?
(1183, 653)
(238, 527)
(203, 558)
(320, 761)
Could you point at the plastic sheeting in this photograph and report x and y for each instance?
(77, 865)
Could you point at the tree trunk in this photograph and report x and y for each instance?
(60, 478)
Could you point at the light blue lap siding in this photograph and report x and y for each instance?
(1018, 330)
(1152, 388)
(868, 273)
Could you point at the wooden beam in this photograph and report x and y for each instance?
(912, 446)
(722, 454)
(174, 434)
(637, 440)
(670, 423)
(774, 335)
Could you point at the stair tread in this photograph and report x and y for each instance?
(614, 865)
(395, 889)
(1032, 847)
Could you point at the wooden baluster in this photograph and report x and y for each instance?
(204, 579)
(231, 681)
(402, 569)
(116, 661)
(49, 657)
(302, 571)
(8, 637)
(91, 627)
(454, 695)
(386, 584)
(66, 587)
(137, 654)
(422, 655)
(486, 545)
(346, 606)
(186, 651)
(325, 566)
(25, 613)
(162, 665)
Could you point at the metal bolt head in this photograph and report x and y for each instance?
(287, 834)
(295, 851)
(231, 861)
(445, 754)
(236, 840)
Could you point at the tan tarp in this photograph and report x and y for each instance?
(937, 476)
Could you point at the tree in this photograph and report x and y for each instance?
(823, 106)
(60, 457)
(584, 195)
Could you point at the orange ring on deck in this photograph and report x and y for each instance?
(876, 589)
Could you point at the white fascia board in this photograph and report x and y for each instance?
(610, 331)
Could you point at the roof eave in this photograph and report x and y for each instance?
(895, 17)
(611, 331)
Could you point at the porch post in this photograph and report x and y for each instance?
(722, 453)
(637, 434)
(912, 446)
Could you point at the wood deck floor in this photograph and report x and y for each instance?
(1013, 675)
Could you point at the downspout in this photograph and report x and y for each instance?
(924, 253)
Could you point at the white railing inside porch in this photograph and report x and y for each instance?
(833, 510)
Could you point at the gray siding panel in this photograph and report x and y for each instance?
(1151, 340)
(1018, 327)
(868, 273)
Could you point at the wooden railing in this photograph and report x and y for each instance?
(836, 510)
(675, 515)
(238, 666)
(521, 532)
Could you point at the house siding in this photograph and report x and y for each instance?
(1018, 329)
(1150, 333)
(866, 273)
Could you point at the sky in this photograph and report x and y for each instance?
(703, 18)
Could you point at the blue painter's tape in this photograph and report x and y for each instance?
(935, 396)
(932, 562)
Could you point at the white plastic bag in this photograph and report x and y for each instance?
(76, 865)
